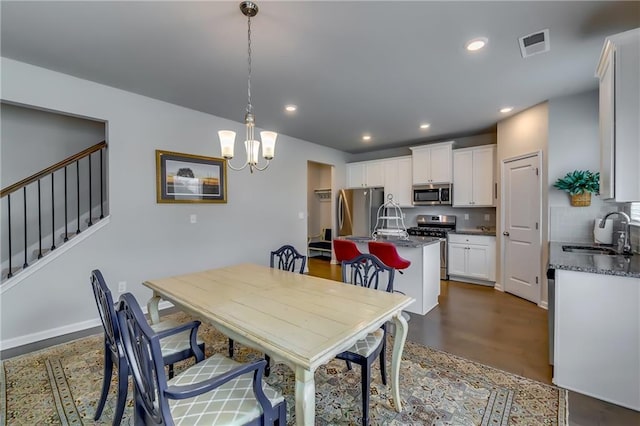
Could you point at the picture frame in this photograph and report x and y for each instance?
(188, 178)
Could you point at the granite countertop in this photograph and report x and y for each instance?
(412, 242)
(623, 266)
(490, 233)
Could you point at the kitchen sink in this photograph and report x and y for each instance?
(590, 250)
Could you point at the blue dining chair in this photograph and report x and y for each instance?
(366, 270)
(215, 391)
(174, 348)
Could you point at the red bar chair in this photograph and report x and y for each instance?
(388, 254)
(345, 250)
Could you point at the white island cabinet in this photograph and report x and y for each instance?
(421, 280)
(597, 335)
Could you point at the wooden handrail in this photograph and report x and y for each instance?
(51, 169)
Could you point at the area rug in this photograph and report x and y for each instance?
(61, 385)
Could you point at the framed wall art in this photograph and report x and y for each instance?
(187, 178)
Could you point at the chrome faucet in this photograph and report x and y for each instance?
(626, 245)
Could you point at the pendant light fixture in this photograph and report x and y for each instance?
(251, 145)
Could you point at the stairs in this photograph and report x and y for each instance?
(66, 200)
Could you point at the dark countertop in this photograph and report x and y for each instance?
(623, 266)
(474, 232)
(412, 242)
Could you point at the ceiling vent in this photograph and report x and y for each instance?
(534, 43)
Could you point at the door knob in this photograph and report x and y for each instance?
(505, 233)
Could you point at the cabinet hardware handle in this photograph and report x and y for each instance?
(496, 190)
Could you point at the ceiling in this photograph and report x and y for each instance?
(377, 67)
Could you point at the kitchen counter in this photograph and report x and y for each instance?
(623, 266)
(474, 232)
(421, 280)
(412, 242)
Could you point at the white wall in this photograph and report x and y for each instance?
(574, 144)
(147, 240)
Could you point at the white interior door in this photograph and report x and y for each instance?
(521, 236)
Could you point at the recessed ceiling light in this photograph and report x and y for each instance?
(506, 110)
(476, 44)
(290, 108)
(366, 137)
(425, 125)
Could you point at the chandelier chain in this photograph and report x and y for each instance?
(249, 106)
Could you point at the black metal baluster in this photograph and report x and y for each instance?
(78, 193)
(39, 223)
(24, 194)
(53, 216)
(90, 205)
(9, 222)
(101, 183)
(66, 205)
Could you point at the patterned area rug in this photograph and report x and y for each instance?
(61, 385)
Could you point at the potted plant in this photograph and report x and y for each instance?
(580, 184)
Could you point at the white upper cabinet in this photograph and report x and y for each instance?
(618, 71)
(473, 176)
(365, 174)
(432, 163)
(397, 180)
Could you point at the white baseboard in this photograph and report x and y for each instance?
(61, 331)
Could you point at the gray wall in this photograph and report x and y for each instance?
(33, 140)
(574, 144)
(146, 240)
(524, 133)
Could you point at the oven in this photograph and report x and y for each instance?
(436, 226)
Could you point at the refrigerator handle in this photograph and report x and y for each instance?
(340, 210)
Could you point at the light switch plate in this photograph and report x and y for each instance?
(193, 218)
(122, 286)
(466, 216)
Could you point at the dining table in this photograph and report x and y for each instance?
(299, 320)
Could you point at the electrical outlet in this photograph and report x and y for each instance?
(466, 216)
(122, 286)
(487, 218)
(193, 218)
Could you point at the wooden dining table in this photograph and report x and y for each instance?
(299, 320)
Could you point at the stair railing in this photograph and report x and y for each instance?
(22, 185)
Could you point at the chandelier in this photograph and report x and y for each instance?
(251, 145)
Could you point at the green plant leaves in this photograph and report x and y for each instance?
(579, 182)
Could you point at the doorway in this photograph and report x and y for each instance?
(521, 205)
(319, 209)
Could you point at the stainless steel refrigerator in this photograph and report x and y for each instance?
(357, 211)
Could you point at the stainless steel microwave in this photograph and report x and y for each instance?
(434, 194)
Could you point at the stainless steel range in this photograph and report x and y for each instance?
(436, 226)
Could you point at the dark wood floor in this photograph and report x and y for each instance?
(500, 330)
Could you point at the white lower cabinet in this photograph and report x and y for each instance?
(597, 336)
(472, 258)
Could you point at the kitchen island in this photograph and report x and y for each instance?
(421, 280)
(594, 300)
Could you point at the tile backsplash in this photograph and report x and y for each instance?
(575, 224)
